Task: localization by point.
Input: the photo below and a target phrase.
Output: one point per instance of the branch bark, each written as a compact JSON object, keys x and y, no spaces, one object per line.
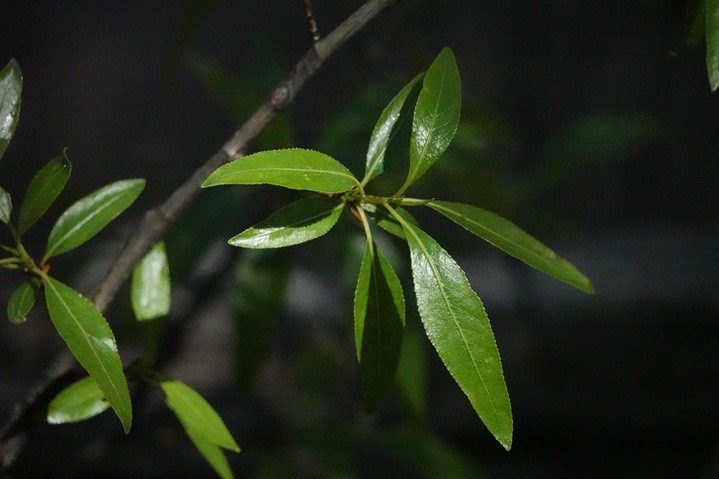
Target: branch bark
{"x":157,"y":220}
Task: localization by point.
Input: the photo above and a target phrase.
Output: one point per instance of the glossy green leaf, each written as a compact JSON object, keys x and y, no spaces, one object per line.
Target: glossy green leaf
{"x":506,"y":236}
{"x":91,"y":341}
{"x":150,"y":291}
{"x":436,"y":115}
{"x":212,"y":453}
{"x":195,"y":413}
{"x":293,"y":168}
{"x":5,"y":206}
{"x":712,"y":34}
{"x":79,"y":401}
{"x":10,"y":92}
{"x":88,"y":216}
{"x":21,"y":302}
{"x":44,"y":188}
{"x":301,"y":221}
{"x":458,"y":328}
{"x":384,"y":130}
{"x":379,"y":324}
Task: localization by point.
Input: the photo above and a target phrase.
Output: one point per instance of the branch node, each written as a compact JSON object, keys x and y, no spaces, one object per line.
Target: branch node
{"x":280,"y":97}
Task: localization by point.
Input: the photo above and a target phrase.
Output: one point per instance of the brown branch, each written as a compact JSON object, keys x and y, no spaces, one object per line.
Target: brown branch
{"x":156,"y":221}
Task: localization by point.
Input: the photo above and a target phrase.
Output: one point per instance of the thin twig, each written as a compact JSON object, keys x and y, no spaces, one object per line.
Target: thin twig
{"x":311,"y":21}
{"x":156,"y":221}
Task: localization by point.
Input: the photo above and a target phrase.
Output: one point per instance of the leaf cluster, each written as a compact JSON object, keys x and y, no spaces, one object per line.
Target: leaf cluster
{"x":453,"y":316}
{"x":78,"y":322}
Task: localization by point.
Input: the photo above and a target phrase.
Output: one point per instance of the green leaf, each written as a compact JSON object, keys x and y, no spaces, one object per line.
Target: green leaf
{"x":506,"y":236}
{"x":195,"y":413}
{"x":150,"y":292}
{"x":44,"y":188}
{"x":21,"y":302}
{"x":10,"y":91}
{"x":79,"y":401}
{"x":293,"y":168}
{"x":91,"y":341}
{"x":712,"y":26}
{"x":459,"y":329}
{"x":384,"y":130}
{"x":436,"y":115}
{"x":212,"y":453}
{"x":90,"y":215}
{"x":301,"y":221}
{"x":412,"y":376}
{"x":379,"y":323}
{"x":5,"y":206}
{"x":695,"y":23}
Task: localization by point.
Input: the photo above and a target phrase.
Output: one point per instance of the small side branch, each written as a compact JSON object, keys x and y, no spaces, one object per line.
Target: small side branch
{"x":311,"y":21}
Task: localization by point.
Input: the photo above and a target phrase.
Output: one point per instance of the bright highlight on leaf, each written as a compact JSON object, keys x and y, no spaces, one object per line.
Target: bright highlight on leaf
{"x":712,"y":34}
{"x":89,"y":215}
{"x":459,"y":329}
{"x":294,"y":168}
{"x":10,"y":92}
{"x":91,"y":341}
{"x":384,"y":130}
{"x":301,"y":221}
{"x":379,"y":324}
{"x":512,"y":240}
{"x":202,"y":424}
{"x":79,"y":401}
{"x":21,"y":302}
{"x":5,"y":206}
{"x":150,"y":291}
{"x":44,"y":188}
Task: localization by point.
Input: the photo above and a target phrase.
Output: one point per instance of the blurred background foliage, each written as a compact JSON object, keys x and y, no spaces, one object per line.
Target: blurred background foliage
{"x":584,"y":122}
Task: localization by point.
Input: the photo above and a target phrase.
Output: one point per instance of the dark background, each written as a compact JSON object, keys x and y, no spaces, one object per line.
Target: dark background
{"x":583,"y":122}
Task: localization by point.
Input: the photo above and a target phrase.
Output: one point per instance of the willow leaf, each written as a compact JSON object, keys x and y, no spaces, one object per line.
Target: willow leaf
{"x":384,"y":130}
{"x":44,"y":188}
{"x":508,"y":237}
{"x":458,"y":328}
{"x":21,"y":302}
{"x":712,"y":35}
{"x":379,"y":315}
{"x":150,"y":291}
{"x":10,"y":91}
{"x":5,"y":206}
{"x":79,"y":401}
{"x":294,"y":168}
{"x":89,"y":215}
{"x":301,"y":221}
{"x":436,"y":115}
{"x":91,"y":341}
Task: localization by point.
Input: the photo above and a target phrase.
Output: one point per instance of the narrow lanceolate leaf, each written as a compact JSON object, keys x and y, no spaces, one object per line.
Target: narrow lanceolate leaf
{"x":5,"y":206}
{"x":10,"y":91}
{"x":213,"y":454}
{"x":508,"y":237}
{"x":21,"y":302}
{"x":293,"y":168}
{"x":89,"y":337}
{"x":379,"y":323}
{"x":44,"y":188}
{"x":436,"y":115}
{"x":301,"y":221}
{"x":712,"y":19}
{"x":459,"y":329}
{"x":384,"y":130}
{"x":150,"y":292}
{"x":90,"y":215}
{"x":79,"y":401}
{"x":195,"y":413}
{"x":386,"y":221}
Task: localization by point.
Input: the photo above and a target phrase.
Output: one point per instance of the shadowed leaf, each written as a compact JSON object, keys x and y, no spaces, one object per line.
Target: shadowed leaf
{"x":44,"y":188}
{"x":21,"y":302}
